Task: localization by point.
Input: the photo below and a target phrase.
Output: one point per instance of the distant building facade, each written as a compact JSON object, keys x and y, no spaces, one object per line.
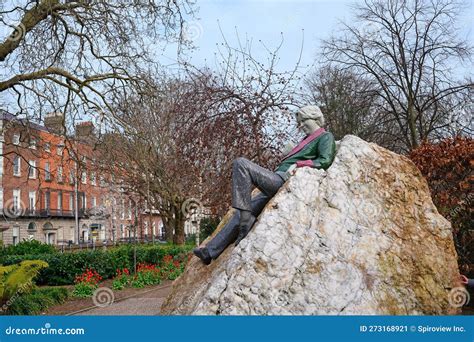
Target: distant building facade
{"x":53,"y":188}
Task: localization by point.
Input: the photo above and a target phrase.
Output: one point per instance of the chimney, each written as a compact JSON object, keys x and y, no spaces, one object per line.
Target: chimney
{"x":85,"y":130}
{"x":54,"y":122}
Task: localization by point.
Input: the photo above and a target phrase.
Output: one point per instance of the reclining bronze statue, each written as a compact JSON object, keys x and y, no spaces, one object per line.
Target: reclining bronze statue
{"x":316,"y":150}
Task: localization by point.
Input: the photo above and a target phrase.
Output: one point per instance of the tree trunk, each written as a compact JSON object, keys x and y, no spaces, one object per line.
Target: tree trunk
{"x":412,"y":125}
{"x":168,"y":225}
{"x":179,"y":237}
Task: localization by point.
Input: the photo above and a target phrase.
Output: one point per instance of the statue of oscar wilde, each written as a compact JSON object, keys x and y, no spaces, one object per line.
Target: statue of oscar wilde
{"x":316,"y":150}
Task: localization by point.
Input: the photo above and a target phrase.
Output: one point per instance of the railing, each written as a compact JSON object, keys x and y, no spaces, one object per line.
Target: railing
{"x":41,"y":213}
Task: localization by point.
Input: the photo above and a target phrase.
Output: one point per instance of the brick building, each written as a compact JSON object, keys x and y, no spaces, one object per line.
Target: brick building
{"x":53,"y":188}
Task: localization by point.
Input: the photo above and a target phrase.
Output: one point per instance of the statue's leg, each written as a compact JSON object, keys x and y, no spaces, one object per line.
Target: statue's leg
{"x":229,"y":232}
{"x":245,"y":175}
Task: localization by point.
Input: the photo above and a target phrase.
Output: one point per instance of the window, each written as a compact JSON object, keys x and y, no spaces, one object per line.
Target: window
{"x":16,"y":200}
{"x":32,"y":169}
{"x":94,"y":202}
{"x":1,"y":198}
{"x":47,"y":200}
{"x":59,"y":150}
{"x":101,"y":180}
{"x":71,"y":201}
{"x":146,"y":227}
{"x":71,"y":177}
{"x":114,"y":208}
{"x":59,"y":174}
{"x":17,"y":166}
{"x":32,"y":201}
{"x":60,"y":201}
{"x":129,"y":209}
{"x":16,"y":235}
{"x":84,"y":201}
{"x":47,"y":147}
{"x":33,"y":144}
{"x":47,"y":171}
{"x":16,"y":139}
{"x":84,"y":177}
{"x":1,"y":155}
{"x":123,"y":209}
{"x":93,"y":178}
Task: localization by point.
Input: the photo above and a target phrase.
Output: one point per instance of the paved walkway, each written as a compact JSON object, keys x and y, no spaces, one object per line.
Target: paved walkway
{"x":145,"y":303}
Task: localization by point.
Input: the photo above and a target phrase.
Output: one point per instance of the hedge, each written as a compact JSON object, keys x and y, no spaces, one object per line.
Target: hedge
{"x":63,"y":267}
{"x":27,"y":247}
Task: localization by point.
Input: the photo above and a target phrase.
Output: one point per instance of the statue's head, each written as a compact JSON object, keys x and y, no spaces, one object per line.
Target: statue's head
{"x":309,"y":119}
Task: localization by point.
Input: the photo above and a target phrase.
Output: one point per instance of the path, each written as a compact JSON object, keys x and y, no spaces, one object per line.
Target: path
{"x":144,"y":303}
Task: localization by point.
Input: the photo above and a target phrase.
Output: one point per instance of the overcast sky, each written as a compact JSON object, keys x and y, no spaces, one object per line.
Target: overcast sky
{"x":265,"y":20}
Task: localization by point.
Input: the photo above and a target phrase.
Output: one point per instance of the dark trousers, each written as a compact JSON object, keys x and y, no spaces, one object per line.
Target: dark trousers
{"x":245,"y":175}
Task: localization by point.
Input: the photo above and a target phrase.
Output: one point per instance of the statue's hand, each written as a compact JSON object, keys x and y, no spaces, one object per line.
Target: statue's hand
{"x":292,"y":170}
{"x":287,"y":149}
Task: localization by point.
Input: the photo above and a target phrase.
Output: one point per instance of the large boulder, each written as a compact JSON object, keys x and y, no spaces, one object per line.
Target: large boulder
{"x":363,"y":237}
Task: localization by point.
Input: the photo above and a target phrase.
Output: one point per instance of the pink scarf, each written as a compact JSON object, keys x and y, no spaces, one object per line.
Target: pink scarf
{"x":305,"y":142}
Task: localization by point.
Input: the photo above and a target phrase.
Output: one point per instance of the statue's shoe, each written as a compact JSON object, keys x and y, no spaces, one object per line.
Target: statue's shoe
{"x":203,"y":254}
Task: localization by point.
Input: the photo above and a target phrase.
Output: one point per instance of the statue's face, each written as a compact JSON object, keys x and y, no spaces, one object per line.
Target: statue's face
{"x":308,"y":126}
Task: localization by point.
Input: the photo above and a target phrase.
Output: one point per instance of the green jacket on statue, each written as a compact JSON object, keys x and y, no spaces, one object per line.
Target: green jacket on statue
{"x":318,"y":151}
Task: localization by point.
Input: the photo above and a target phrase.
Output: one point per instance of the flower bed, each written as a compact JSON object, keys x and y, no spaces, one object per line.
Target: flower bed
{"x":86,"y":283}
{"x":64,"y":267}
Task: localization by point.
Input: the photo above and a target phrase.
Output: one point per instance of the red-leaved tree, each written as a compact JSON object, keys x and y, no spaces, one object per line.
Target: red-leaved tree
{"x":447,"y":166}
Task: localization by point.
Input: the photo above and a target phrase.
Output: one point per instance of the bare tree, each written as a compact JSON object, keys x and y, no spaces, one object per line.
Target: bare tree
{"x":350,"y":105}
{"x":187,"y":130}
{"x":74,"y":55}
{"x":410,"y":49}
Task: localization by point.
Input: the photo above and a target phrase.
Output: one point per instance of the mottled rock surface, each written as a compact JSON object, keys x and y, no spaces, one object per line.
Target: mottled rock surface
{"x":363,"y":237}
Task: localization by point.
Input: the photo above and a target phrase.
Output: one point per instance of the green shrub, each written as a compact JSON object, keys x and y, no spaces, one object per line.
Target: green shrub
{"x":28,"y":247}
{"x":37,"y":301}
{"x":64,"y":267}
{"x":83,"y":290}
{"x":18,"y":278}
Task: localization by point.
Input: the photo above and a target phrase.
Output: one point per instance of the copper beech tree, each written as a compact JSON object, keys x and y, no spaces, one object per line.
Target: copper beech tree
{"x":447,"y":166}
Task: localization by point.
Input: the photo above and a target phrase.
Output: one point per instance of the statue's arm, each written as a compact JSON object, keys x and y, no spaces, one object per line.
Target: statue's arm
{"x":326,"y":151}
